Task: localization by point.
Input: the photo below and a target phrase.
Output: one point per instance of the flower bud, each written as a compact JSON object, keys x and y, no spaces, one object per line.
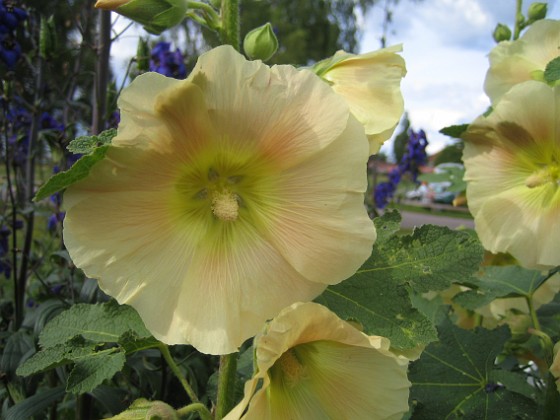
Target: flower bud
{"x":143,"y":55}
{"x":537,"y":11}
{"x":260,"y":43}
{"x":155,"y":15}
{"x":501,"y":33}
{"x":47,"y":38}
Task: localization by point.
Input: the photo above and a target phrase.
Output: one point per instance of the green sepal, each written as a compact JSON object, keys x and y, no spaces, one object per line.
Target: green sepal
{"x":454,"y":131}
{"x":552,"y":71}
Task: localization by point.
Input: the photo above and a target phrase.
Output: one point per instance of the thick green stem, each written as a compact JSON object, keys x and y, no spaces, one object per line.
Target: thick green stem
{"x":551,"y":399}
{"x":517,"y":26}
{"x":226,"y":385}
{"x":230,"y":23}
{"x":198,"y":407}
{"x":177,"y":372}
{"x":533,"y":313}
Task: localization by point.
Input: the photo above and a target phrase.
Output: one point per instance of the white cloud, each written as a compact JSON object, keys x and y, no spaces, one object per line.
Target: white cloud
{"x":446,"y":43}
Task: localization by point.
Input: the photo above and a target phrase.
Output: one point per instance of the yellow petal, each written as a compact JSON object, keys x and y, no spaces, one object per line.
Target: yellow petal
{"x":179,"y":219}
{"x":502,"y":154}
{"x":370,"y":83}
{"x":514,"y":62}
{"x":314,"y":365}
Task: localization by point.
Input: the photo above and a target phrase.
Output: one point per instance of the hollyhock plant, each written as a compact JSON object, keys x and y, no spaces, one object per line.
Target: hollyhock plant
{"x":512,"y":162}
{"x":524,"y":59}
{"x":223,"y":199}
{"x":370,"y":83}
{"x":313,"y":365}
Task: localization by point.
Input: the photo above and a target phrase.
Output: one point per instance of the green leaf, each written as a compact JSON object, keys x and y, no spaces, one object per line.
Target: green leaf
{"x":454,"y":131}
{"x":388,"y":225}
{"x":103,"y":323}
{"x":57,"y":355}
{"x":90,"y":372}
{"x":552,"y":71}
{"x":457,"y":378}
{"x":432,"y":258}
{"x":18,"y":346}
{"x":382,"y":308}
{"x":498,"y":282}
{"x":77,"y":172}
{"x":88,"y":144}
{"x":131,"y":342}
{"x":36,"y":404}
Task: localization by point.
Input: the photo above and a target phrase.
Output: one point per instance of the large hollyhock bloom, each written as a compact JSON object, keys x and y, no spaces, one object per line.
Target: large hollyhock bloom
{"x":512,"y":162}
{"x":224,"y":198}
{"x":370,"y":83}
{"x":310,"y":364}
{"x":513,"y":62}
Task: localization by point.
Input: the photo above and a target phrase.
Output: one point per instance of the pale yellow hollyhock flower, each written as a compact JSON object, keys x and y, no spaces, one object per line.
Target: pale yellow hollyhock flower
{"x":370,"y":83}
{"x":512,"y":162}
{"x":224,"y":198}
{"x":513,"y":62}
{"x":310,"y":365}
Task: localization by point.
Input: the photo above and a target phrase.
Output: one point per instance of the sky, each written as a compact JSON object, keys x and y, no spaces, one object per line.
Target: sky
{"x":445,"y":46}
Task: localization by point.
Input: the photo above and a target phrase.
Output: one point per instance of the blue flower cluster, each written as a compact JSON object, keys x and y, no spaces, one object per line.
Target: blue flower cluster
{"x":167,"y":62}
{"x":414,"y":156}
{"x":10,"y":18}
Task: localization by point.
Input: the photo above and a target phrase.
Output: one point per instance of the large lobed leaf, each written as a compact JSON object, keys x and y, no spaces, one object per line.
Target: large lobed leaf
{"x":95,"y":339}
{"x":378,"y":295}
{"x":457,"y":377}
{"x":104,"y":323}
{"x":499,"y":282}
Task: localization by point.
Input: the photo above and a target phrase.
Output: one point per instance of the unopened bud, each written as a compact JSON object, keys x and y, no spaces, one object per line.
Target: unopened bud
{"x":260,"y":43}
{"x":155,"y":15}
{"x":537,"y":11}
{"x":143,"y":56}
{"x":47,"y":38}
{"x":501,"y":33}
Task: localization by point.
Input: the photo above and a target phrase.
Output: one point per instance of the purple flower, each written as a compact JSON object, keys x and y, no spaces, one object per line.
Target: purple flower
{"x":383,"y":193}
{"x":10,"y":50}
{"x":11,"y":16}
{"x":55,"y":220}
{"x":167,"y":62}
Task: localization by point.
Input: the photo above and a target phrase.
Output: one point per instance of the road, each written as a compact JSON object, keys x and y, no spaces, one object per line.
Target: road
{"x":412,"y":219}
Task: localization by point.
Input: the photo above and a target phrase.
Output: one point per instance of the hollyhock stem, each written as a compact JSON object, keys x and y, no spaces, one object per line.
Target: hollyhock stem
{"x":230,"y":23}
{"x":199,"y":407}
{"x":175,"y":369}
{"x":517,"y":26}
{"x":226,"y":385}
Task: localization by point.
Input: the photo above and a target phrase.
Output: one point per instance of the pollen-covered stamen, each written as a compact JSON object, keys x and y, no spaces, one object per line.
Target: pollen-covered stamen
{"x":292,"y":368}
{"x":550,"y":173}
{"x":225,"y":205}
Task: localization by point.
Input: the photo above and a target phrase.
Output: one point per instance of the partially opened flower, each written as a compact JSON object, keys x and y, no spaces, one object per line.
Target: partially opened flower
{"x":224,"y":198}
{"x":370,"y":83}
{"x":310,"y":364}
{"x":513,"y":62}
{"x":512,"y":162}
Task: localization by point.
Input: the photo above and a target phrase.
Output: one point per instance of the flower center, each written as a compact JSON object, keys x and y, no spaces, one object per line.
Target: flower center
{"x":550,"y":173}
{"x":292,"y":368}
{"x":225,"y":206}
